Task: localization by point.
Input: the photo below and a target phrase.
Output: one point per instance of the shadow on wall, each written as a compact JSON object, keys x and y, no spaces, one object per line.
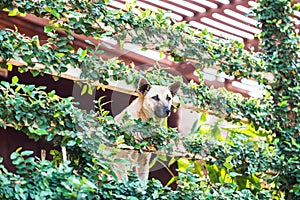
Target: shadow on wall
{"x":11,"y":140}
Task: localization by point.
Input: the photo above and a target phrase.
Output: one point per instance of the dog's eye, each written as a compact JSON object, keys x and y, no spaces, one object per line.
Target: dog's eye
{"x":156,"y":98}
{"x":168,"y":98}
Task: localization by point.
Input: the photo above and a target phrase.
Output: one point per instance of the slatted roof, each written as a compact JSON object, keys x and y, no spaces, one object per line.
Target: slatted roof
{"x":223,"y":18}
{"x":227,"y":19}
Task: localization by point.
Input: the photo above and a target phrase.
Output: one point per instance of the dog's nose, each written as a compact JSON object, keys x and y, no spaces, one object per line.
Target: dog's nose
{"x":168,"y":111}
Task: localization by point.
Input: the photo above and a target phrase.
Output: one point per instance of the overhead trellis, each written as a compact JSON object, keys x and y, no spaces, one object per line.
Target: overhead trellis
{"x":276,"y":114}
{"x":58,"y":53}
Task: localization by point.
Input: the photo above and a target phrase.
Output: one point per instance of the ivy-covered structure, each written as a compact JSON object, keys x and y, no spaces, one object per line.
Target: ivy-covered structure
{"x":258,"y":160}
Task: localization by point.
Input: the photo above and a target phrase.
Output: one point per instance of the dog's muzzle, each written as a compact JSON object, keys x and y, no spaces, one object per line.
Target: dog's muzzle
{"x":162,"y":111}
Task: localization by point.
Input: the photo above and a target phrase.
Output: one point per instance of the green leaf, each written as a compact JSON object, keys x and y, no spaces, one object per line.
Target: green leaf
{"x":162,"y":157}
{"x":121,"y":44}
{"x":198,"y":167}
{"x":102,"y":147}
{"x":234,"y":174}
{"x":27,"y":153}
{"x":55,"y":14}
{"x":153,"y":162}
{"x":228,"y":166}
{"x":14,"y":155}
{"x":13,"y":12}
{"x":38,"y":131}
{"x":48,"y":9}
{"x":79,"y":51}
{"x":82,"y":53}
{"x":203,"y":118}
{"x":131,"y":198}
{"x":89,"y":49}
{"x":84,"y":89}
{"x":34,"y":72}
{"x":17,"y":161}
{"x":61,"y":43}
{"x":9,"y":67}
{"x":255,"y":181}
{"x":59,"y":55}
{"x":15,"y":79}
{"x":56,"y":114}
{"x":183,"y":164}
{"x":172,"y":180}
{"x":172,"y":161}
{"x":90,"y":89}
{"x":94,"y":75}
{"x":71,"y":143}
{"x":99,"y":52}
{"x":120,"y":139}
{"x":228,"y":159}
{"x":214,"y":172}
{"x":89,"y":42}
{"x":55,"y":78}
{"x":161,"y":54}
{"x":48,"y":29}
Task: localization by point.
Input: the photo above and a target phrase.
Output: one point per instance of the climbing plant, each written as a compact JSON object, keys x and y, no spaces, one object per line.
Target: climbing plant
{"x":280,"y":45}
{"x":239,"y":167}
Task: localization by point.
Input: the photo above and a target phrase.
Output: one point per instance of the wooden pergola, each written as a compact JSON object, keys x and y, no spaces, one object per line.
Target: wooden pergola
{"x":224,"y":18}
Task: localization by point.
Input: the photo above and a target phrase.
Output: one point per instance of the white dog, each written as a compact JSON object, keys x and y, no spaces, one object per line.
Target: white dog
{"x":154,"y":102}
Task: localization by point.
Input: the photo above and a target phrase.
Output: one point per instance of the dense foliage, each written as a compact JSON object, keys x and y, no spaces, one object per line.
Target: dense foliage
{"x":280,"y":45}
{"x":258,"y":160}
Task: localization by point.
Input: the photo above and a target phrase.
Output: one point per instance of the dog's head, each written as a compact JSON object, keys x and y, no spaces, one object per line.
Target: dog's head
{"x":157,"y":99}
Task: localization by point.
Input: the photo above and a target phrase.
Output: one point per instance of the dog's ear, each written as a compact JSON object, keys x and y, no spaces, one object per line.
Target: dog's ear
{"x":144,"y":86}
{"x":174,"y":88}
